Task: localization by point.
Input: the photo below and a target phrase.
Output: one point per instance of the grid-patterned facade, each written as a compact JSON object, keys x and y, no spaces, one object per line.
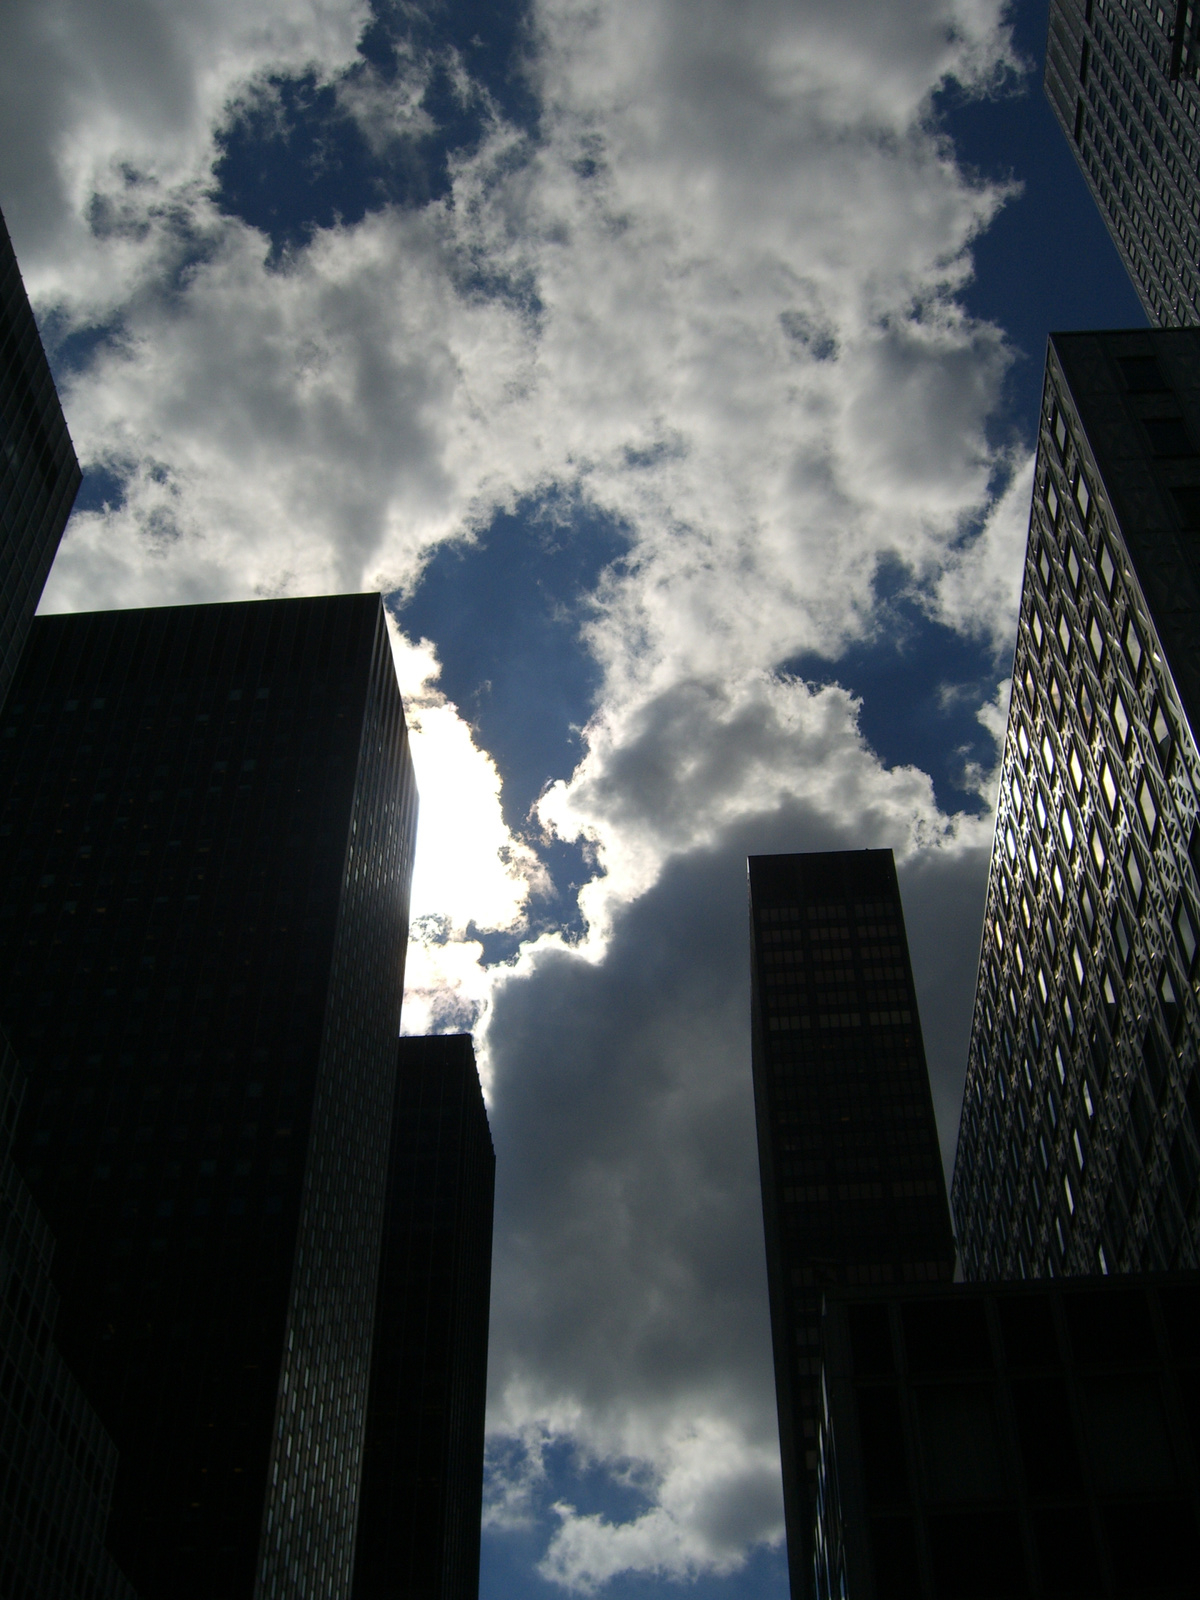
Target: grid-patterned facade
{"x":1121,"y":77}
{"x":39,"y":475}
{"x":422,"y":1487}
{"x":1012,"y":1440}
{"x":208,"y":817}
{"x":852,"y":1184}
{"x":56,"y":1461}
{"x":1079,"y":1146}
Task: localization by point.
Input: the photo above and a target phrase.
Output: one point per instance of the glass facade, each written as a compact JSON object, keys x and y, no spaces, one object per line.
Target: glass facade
{"x":1121,"y":77}
{"x":207,"y":815}
{"x":56,"y":1461}
{"x":422,"y":1486}
{"x":1079,"y":1145}
{"x":852,"y":1184}
{"x":1024,"y":1440}
{"x":39,"y":475}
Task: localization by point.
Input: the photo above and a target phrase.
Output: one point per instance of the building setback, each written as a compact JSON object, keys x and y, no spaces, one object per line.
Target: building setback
{"x":422,"y":1489}
{"x":56,"y":1461}
{"x":1121,"y":78}
{"x":1011,"y":1440}
{"x":852,"y":1184}
{"x":207,"y":815}
{"x":1079,"y":1145}
{"x":39,"y":475}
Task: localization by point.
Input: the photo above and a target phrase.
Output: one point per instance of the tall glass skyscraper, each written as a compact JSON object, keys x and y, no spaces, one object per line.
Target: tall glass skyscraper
{"x":422,"y":1489}
{"x":207,"y":815}
{"x":852,"y":1184}
{"x":39,"y":475}
{"x":1079,"y":1146}
{"x":1121,"y":77}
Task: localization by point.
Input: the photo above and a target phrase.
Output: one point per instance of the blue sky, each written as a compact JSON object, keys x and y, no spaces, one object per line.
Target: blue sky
{"x":674,"y":369}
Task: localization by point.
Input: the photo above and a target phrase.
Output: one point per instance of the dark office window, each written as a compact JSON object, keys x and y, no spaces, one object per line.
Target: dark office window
{"x":894,"y":1552}
{"x":1123,"y":1333}
{"x":960,"y":1442}
{"x":977,"y":1556}
{"x":1142,"y":375}
{"x":1027,"y":1329}
{"x":1066,"y":1553}
{"x":881,"y":1435}
{"x":1181,"y":1313}
{"x":1045,"y":1436}
{"x":871,"y":1341}
{"x":946,"y":1336}
{"x":1189,"y":1387}
{"x":1152,"y":1545}
{"x":1187,"y":504}
{"x":1168,"y":436}
{"x":1128,"y":1448}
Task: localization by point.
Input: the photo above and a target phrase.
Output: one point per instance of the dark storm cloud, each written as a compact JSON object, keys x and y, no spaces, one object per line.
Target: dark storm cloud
{"x":629,"y":1269}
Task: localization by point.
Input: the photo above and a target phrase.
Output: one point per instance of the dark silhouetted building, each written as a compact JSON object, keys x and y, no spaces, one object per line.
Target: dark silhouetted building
{"x":207,"y":817}
{"x":1121,"y":77}
{"x":422,"y":1488}
{"x":1012,"y":1440}
{"x":853,"y":1191}
{"x":39,"y":475}
{"x":1079,"y":1146}
{"x":56,"y":1461}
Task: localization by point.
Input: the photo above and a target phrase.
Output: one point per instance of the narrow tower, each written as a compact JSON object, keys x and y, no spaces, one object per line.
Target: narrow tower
{"x":422,"y":1491}
{"x":853,"y":1191}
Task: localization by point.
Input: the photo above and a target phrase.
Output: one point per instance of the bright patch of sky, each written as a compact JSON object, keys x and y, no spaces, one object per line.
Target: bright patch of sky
{"x":674,"y":369}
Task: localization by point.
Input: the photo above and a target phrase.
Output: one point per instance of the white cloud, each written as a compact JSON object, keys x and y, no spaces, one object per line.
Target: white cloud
{"x":324,"y":426}
{"x":107,"y":116}
{"x":979,"y":590}
{"x":717,"y":1496}
{"x":672,"y":772}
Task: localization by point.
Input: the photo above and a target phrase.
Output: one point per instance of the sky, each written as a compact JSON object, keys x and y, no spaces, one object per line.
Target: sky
{"x":673,"y":368}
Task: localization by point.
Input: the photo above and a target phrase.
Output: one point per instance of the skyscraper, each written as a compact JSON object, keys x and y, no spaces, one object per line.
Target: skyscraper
{"x":39,"y":475}
{"x":422,"y":1488}
{"x":207,"y":815}
{"x":1079,"y":1146}
{"x":1121,"y":77}
{"x":852,"y":1184}
{"x":56,"y":1461}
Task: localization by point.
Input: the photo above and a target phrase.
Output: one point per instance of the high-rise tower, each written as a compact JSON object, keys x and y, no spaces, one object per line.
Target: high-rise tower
{"x":853,"y":1191}
{"x":207,"y":815}
{"x":422,"y":1489}
{"x":39,"y":475}
{"x":1079,"y":1147}
{"x":1121,"y":77}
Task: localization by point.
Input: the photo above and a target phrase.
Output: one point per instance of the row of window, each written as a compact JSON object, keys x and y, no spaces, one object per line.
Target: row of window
{"x":1037,"y":922}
